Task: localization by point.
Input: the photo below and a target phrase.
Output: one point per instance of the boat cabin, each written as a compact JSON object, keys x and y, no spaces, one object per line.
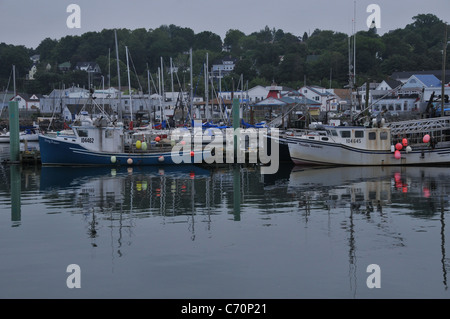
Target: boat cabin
{"x":367,"y":138}
{"x":98,"y":135}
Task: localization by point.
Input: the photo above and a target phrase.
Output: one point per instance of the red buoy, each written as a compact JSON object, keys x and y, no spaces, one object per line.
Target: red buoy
{"x":405,"y":142}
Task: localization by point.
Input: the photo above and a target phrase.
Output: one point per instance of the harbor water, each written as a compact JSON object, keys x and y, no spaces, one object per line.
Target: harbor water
{"x":224,"y":232}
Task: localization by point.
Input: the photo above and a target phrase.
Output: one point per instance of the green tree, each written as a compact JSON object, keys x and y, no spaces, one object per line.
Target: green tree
{"x":232,"y":40}
{"x":46,"y":49}
{"x":207,"y":40}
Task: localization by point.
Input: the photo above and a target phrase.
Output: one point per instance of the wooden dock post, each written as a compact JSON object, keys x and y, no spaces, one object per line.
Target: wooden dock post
{"x":14,"y":140}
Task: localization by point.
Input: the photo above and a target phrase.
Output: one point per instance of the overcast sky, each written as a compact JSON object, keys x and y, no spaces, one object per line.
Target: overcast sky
{"x":28,"y":22}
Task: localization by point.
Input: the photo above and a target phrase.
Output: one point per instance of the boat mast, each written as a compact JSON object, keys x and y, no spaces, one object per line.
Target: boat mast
{"x":206,"y":89}
{"x":192,"y":89}
{"x":129,"y":89}
{"x":118,"y":77}
{"x":352,"y":66}
{"x":444,"y":57}
{"x":163,"y":93}
{"x":171,"y":77}
{"x":149,"y":99}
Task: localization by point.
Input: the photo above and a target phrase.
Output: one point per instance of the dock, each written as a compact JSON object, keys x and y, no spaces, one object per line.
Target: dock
{"x":30,"y":157}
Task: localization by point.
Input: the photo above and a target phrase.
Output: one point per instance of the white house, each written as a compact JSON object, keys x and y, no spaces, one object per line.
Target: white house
{"x":32,"y":72}
{"x":327,"y":99}
{"x":35,"y":58}
{"x":388,"y":85}
{"x":223,"y":67}
{"x":417,"y":83}
{"x":399,"y":97}
{"x":88,"y":67}
{"x":27,"y":101}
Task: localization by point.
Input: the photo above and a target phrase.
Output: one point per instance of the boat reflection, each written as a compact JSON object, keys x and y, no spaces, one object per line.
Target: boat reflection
{"x":421,"y":188}
{"x":373,"y":194}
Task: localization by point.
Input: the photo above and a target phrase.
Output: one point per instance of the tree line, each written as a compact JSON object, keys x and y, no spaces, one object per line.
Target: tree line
{"x":269,"y":55}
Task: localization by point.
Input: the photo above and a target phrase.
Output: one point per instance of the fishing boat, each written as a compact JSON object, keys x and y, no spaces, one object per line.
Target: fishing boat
{"x":415,"y":142}
{"x":30,"y":134}
{"x":97,"y":138}
{"x":98,"y":142}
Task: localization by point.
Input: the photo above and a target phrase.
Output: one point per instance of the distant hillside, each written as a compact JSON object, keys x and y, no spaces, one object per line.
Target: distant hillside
{"x":263,"y":57}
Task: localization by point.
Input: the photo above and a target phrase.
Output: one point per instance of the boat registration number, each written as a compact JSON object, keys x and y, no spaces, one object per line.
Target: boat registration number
{"x":353,"y":140}
{"x":87,"y":140}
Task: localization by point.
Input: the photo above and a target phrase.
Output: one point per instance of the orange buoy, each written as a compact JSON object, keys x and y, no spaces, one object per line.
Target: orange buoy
{"x":157,"y":139}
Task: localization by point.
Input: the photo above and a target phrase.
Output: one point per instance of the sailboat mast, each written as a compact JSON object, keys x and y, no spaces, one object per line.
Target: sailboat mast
{"x":354,"y":45}
{"x":148,"y":83}
{"x":444,"y":57}
{"x":109,"y":68}
{"x":118,"y":76}
{"x":163,"y":93}
{"x":129,"y":87}
{"x":171,"y":76}
{"x":207,"y":88}
{"x":192,"y":89}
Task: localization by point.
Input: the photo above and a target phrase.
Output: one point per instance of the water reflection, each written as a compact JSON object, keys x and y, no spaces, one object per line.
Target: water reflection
{"x":363,"y":209}
{"x":368,"y":192}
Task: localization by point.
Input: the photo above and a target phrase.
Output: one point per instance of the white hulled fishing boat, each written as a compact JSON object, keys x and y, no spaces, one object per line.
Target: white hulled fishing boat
{"x":415,"y":142}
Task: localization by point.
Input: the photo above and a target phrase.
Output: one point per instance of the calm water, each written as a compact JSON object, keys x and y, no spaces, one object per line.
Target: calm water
{"x":192,"y":232}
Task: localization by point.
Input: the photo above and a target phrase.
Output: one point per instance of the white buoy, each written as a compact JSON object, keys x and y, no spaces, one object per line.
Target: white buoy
{"x":392,"y":148}
{"x":161,"y":158}
{"x":408,"y":149}
{"x":130,"y":161}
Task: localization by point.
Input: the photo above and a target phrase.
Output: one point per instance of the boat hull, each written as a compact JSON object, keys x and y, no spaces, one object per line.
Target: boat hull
{"x":56,"y":151}
{"x":312,"y":152}
{"x":282,"y":147}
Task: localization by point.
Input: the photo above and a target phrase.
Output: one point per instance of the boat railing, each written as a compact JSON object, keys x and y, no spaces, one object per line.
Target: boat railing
{"x":414,"y":130}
